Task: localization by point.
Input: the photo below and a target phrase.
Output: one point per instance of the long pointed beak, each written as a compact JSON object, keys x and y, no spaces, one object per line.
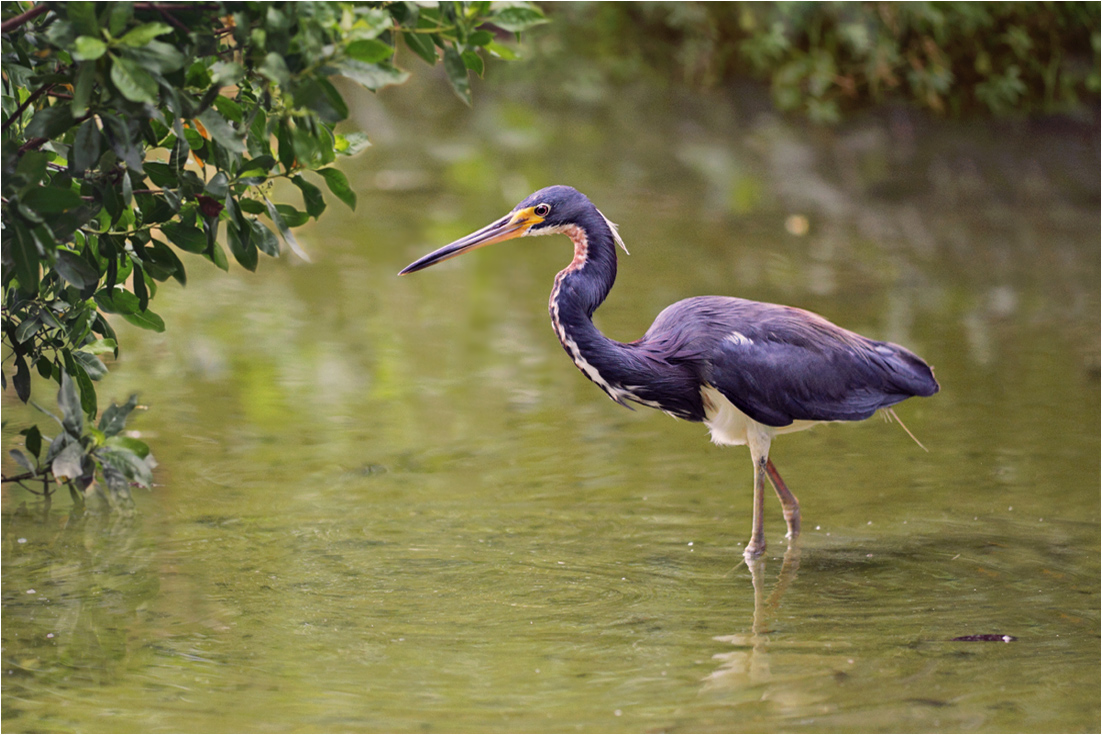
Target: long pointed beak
{"x":514,"y":224}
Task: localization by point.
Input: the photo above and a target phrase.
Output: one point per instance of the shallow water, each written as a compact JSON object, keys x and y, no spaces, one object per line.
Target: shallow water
{"x":393,"y":504}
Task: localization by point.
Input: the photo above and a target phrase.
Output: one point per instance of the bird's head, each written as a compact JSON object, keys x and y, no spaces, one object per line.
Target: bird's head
{"x":547,"y":211}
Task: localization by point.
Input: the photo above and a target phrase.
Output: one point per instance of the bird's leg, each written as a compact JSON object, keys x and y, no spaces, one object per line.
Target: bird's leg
{"x":788,"y":501}
{"x":756,"y":547}
{"x":758,"y":440}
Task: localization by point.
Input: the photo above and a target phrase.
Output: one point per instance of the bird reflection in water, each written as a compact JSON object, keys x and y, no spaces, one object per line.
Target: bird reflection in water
{"x":747,"y":666}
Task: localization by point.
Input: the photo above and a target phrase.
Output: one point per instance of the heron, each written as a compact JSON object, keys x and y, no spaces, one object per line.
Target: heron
{"x":748,"y":370}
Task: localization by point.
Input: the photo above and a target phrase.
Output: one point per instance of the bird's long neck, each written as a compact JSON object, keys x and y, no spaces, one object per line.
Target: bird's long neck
{"x":579,"y":289}
{"x":626,"y":372}
{"x":583,"y":285}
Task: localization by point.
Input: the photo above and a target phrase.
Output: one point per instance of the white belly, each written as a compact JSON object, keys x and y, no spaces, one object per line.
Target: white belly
{"x":730,"y":426}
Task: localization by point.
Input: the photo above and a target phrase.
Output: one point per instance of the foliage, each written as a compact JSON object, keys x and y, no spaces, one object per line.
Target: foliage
{"x":137,"y":131}
{"x":822,"y":58}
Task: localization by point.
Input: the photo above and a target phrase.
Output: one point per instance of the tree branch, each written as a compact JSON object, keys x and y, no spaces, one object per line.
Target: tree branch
{"x":33,"y":144}
{"x":13,"y":23}
{"x":172,"y":21}
{"x":30,"y":100}
{"x":25,"y":476}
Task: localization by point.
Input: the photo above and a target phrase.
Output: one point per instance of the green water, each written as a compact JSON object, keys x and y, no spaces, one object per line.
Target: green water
{"x":393,"y":504}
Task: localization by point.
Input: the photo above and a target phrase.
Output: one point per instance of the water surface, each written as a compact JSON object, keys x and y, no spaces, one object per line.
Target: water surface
{"x":393,"y":504}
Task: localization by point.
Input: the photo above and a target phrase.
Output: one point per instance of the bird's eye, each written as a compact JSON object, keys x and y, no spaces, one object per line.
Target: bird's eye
{"x":542,"y":209}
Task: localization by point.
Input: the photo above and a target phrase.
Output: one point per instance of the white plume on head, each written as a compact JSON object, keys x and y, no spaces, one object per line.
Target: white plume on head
{"x":615,"y":231}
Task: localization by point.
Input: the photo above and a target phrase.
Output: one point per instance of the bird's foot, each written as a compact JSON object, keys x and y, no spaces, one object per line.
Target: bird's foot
{"x":793,"y":521}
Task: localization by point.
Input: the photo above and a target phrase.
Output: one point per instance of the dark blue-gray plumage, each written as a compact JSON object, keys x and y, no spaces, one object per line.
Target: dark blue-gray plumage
{"x":748,"y":370}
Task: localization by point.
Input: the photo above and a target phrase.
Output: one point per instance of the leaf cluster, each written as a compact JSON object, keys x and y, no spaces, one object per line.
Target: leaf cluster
{"x":139,"y":134}
{"x":822,"y":59}
{"x":81,"y":451}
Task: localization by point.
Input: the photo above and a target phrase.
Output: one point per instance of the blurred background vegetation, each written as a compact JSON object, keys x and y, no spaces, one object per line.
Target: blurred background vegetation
{"x":824,"y":59}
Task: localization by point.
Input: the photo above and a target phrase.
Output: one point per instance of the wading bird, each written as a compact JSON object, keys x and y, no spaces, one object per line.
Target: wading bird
{"x":749,"y":371}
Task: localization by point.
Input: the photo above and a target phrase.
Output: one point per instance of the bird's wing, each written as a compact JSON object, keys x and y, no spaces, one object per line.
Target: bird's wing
{"x":786,"y":365}
{"x":778,"y":364}
{"x":776,"y":383}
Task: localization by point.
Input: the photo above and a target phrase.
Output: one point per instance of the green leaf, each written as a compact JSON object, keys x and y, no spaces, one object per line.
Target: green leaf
{"x":225,"y":73}
{"x":22,"y":460}
{"x":22,"y":379}
{"x":284,"y":230}
{"x":264,"y":238}
{"x":501,"y":52}
{"x":313,"y":148}
{"x":127,"y":191}
{"x":114,"y":417}
{"x":218,"y":256}
{"x":218,"y":186}
{"x":136,"y":446}
{"x":101,"y":347}
{"x":49,"y":319}
{"x":141,"y":290}
{"x":82,"y":91}
{"x":88,"y":48}
{"x":291,"y":216}
{"x":243,"y":248}
{"x":32,"y":166}
{"x":82,"y":15}
{"x":167,"y":260}
{"x":118,"y":17}
{"x":134,"y":82}
{"x":68,"y":463}
{"x":50,"y":122}
{"x":369,"y":51}
{"x":338,"y":184}
{"x":480,"y":38}
{"x":51,"y":199}
{"x":161,"y":174}
{"x":311,"y":196}
{"x":516,"y":19}
{"x":222,"y":131}
{"x":87,"y":146}
{"x":92,"y":365}
{"x":275,"y":69}
{"x":68,"y":401}
{"x":421,"y":45}
{"x":185,"y":237}
{"x":351,"y":143}
{"x":143,"y":34}
{"x":46,"y":370}
{"x":133,"y":467}
{"x":76,"y":270}
{"x":372,"y":76}
{"x":230,"y":109}
{"x":474,"y":62}
{"x":116,"y":301}
{"x":156,"y":56}
{"x":457,"y":74}
{"x":319,"y":95}
{"x":27,"y":329}
{"x":32,"y":440}
{"x":87,"y":390}
{"x":286,"y":140}
{"x":146,"y":320}
{"x":371,"y":22}
{"x":121,"y":141}
{"x":251,"y":206}
{"x":25,"y":251}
